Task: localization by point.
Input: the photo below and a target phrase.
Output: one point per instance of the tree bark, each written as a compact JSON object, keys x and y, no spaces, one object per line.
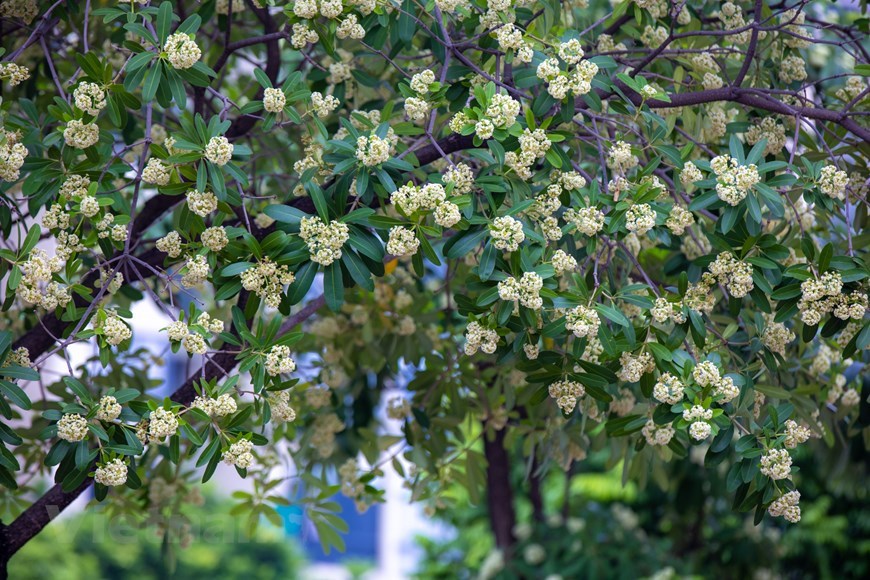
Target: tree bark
{"x":500,"y":495}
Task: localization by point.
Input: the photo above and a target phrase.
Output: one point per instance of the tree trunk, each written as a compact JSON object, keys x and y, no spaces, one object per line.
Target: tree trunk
{"x":500,"y":496}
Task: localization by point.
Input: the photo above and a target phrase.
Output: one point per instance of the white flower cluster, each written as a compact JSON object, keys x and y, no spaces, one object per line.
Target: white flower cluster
{"x":776,"y":464}
{"x":690,"y":174}
{"x":113,"y":329}
{"x":196,"y":271}
{"x":795,"y":434}
{"x":279,"y":362}
{"x":201,"y":203}
{"x":632,"y":367}
{"x":170,"y":244}
{"x":156,"y":172}
{"x":769,"y":129}
{"x":323,"y":105}
{"x":417,"y":109}
{"x":478,"y":337}
{"x":507,"y":233}
{"x":533,"y":146}
{"x":421,"y":81}
{"x":109,"y":409}
{"x":640,"y":218}
{"x":112,"y":474}
{"x":657,"y":434}
{"x":620,"y":157}
{"x":12,"y":154}
{"x":181,"y":51}
{"x":563,"y":262}
{"x":587,"y":220}
{"x":14,"y":73}
{"x":162,"y":424}
{"x":303,"y":35}
{"x":274,"y":100}
{"x":462,"y":178}
{"x":577,"y":81}
{"x":532,"y":351}
{"x":511,"y":38}
{"x":678,"y":220}
{"x":324,"y":429}
{"x":373,"y":150}
{"x":72,"y":427}
{"x":81,"y":135}
{"x":267,"y":280}
{"x":526,"y":290}
{"x":324,"y":239}
{"x":668,"y":389}
{"x":19,"y":356}
{"x":662,"y":311}
{"x":776,"y":336}
{"x":402,"y":242}
{"x":733,"y":181}
{"x":833,"y":182}
{"x":822,"y":295}
{"x":36,"y":285}
{"x":350,"y":28}
{"x":219,"y":407}
{"x":239,"y":454}
{"x":219,"y":150}
{"x":90,"y":98}
{"x":214,"y":238}
{"x":792,"y":68}
{"x":698,"y":417}
{"x":787,"y":506}
{"x":582,"y":321}
{"x":500,"y":114}
{"x":653,"y":37}
{"x":279,"y":403}
{"x":734,"y":274}
{"x":566,"y":394}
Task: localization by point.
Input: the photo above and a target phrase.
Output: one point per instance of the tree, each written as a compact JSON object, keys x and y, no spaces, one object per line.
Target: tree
{"x":540,"y":228}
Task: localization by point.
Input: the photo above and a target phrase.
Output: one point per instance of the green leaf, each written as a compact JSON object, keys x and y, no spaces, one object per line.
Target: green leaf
{"x":333,"y":287}
{"x":15,"y":394}
{"x":164,"y":21}
{"x":357,"y":269}
{"x":613,"y":314}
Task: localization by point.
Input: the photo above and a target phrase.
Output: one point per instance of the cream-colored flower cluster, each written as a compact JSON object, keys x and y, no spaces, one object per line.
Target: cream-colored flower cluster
{"x":72,"y":427}
{"x":795,"y":434}
{"x":402,"y":241}
{"x":156,"y":172}
{"x":510,"y":39}
{"x":768,"y":128}
{"x":668,"y":389}
{"x":792,"y":68}
{"x":219,"y":150}
{"x":698,"y":417}
{"x":15,"y":74}
{"x":733,"y":180}
{"x":587,"y":220}
{"x":196,"y":271}
{"x":640,"y":218}
{"x":583,"y":321}
{"x":833,"y":182}
{"x":678,"y":220}
{"x":653,"y":36}
{"x":787,"y":507}
{"x":274,"y":100}
{"x":36,"y":285}
{"x":478,"y":337}
{"x":90,"y":98}
{"x":526,"y":290}
{"x":632,"y":367}
{"x":664,"y":310}
{"x":181,"y":51}
{"x":776,"y":464}
{"x":577,"y":81}
{"x":170,"y":244}
{"x":461,"y":177}
{"x":216,"y":407}
{"x":214,"y":238}
{"x":566,"y":393}
{"x":279,"y":403}
{"x":201,"y":203}
{"x":563,"y":262}
{"x":114,"y":330}
{"x":734,"y":274}
{"x":239,"y":454}
{"x":659,"y":435}
{"x":323,"y":105}
{"x":81,"y":135}
{"x":12,"y":155}
{"x":776,"y":336}
{"x":373,"y":150}
{"x":267,"y":280}
{"x":162,"y":423}
{"x":620,"y":158}
{"x":111,"y":474}
{"x":324,"y":429}
{"x":507,"y":233}
{"x":279,"y":361}
{"x":324,"y":239}
{"x":822,"y":295}
{"x":109,"y":409}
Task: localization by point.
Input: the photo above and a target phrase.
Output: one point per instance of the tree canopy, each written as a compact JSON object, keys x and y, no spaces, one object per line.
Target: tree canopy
{"x":439,"y":237}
